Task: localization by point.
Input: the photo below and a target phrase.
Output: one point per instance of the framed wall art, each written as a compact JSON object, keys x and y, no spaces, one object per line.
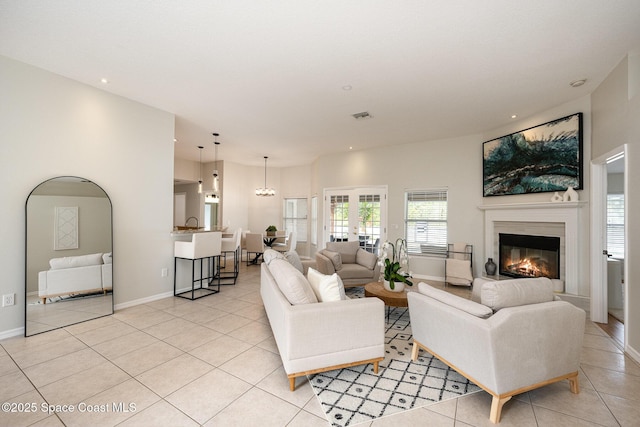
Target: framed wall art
{"x":544,"y":158}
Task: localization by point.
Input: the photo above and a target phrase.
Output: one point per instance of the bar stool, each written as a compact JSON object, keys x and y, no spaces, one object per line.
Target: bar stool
{"x":203,"y":246}
{"x":231,"y":245}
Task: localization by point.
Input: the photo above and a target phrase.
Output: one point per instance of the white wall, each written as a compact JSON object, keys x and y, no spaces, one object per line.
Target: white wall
{"x":616,"y":108}
{"x":54,"y":126}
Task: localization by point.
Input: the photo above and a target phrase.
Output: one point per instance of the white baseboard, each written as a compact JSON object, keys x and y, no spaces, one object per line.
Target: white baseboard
{"x":422,"y":277}
{"x":142,"y":300}
{"x":633,"y":353}
{"x":12,"y":333}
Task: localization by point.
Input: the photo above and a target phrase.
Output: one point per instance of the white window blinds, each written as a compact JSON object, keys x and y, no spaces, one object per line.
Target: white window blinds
{"x":426,"y":222}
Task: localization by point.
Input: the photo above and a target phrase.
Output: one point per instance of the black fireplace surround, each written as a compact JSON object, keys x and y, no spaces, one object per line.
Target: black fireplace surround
{"x":523,"y":255}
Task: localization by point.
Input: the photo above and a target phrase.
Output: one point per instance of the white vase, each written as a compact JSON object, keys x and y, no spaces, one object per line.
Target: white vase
{"x":570,"y":195}
{"x":397,"y":286}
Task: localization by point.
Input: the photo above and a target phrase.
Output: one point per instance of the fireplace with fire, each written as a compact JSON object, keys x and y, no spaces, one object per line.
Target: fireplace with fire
{"x":529,"y":256}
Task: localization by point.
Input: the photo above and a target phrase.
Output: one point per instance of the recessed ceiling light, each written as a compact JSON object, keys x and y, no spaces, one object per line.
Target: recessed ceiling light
{"x":350,"y":148}
{"x":577,"y":83}
{"x":104,"y":80}
{"x":175,"y":139}
{"x":347,"y":87}
{"x":513,"y":116}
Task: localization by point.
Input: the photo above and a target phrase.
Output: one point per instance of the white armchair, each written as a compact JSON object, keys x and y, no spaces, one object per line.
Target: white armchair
{"x":531,"y":340}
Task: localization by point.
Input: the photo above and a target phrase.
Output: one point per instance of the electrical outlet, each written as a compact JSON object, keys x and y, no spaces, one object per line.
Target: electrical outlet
{"x":8,"y":299}
{"x":163,"y":272}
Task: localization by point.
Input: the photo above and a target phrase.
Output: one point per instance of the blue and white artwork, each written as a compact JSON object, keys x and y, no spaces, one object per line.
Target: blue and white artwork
{"x":540,"y":159}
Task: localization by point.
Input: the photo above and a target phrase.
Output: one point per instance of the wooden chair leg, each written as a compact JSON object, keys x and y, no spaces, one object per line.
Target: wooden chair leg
{"x":496,"y":408}
{"x":375,"y":367}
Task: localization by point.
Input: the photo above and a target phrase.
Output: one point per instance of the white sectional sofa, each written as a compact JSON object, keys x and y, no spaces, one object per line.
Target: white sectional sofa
{"x":317,"y":336}
{"x":75,"y":275}
{"x":512,"y":337}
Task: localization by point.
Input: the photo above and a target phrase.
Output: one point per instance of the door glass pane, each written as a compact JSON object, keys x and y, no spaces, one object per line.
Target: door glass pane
{"x":339,"y":218}
{"x":369,"y":222}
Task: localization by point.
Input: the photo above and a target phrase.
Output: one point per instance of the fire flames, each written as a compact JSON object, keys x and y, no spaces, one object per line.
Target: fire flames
{"x":529,"y":267}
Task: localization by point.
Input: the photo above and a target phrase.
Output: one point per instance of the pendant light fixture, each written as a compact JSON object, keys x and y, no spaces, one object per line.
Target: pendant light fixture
{"x":265,"y":191}
{"x":200,"y":180}
{"x":216,"y":182}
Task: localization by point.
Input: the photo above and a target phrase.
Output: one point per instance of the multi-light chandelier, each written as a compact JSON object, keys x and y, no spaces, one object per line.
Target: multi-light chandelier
{"x":265,"y":191}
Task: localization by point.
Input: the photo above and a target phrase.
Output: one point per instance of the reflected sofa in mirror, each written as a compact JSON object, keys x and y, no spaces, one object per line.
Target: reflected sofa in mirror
{"x":69,"y":268}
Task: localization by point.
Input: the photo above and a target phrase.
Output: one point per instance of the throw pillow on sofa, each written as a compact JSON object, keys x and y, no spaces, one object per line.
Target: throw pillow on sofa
{"x":335,"y":257}
{"x":291,"y":282}
{"x":514,"y":292}
{"x":326,"y":287}
{"x":294,"y":259}
{"x":366,"y":259}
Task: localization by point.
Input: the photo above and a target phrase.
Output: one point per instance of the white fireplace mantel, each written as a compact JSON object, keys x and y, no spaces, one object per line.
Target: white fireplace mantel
{"x":567,"y":213}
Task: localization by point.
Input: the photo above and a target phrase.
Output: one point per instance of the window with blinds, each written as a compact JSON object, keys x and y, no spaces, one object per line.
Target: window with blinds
{"x":295,"y":218}
{"x":615,"y":225}
{"x":426,"y":222}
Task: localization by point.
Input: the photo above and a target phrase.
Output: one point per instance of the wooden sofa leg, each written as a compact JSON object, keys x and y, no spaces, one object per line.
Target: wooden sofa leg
{"x":574,"y":384}
{"x":496,"y":408}
{"x":414,"y":351}
{"x":292,"y":383}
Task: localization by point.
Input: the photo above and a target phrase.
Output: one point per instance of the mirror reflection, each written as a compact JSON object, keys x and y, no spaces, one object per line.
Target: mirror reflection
{"x":69,"y":268}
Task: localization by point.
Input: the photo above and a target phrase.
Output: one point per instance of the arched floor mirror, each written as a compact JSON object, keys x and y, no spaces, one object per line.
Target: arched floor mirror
{"x":69,"y":258}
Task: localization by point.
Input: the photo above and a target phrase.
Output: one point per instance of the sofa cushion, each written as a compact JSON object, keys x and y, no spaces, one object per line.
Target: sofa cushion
{"x":366,"y":259}
{"x":75,"y":261}
{"x":347,"y":250}
{"x":269,"y":255}
{"x":455,"y":301}
{"x":335,"y":257}
{"x":326,"y":287}
{"x":356,"y":271}
{"x":510,"y":293}
{"x":294,"y":259}
{"x":291,"y":282}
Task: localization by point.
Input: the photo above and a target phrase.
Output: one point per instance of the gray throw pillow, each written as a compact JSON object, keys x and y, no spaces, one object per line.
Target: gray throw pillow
{"x":366,"y":259}
{"x":335,"y":258}
{"x":294,"y":259}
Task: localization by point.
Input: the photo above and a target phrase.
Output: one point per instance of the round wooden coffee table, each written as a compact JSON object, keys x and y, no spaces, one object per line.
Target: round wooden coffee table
{"x":390,"y":299}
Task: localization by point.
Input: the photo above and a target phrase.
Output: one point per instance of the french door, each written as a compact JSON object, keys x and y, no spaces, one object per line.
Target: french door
{"x":356,"y":214}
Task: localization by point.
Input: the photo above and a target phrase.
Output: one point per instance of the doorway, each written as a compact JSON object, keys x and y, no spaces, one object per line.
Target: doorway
{"x":356,"y":214}
{"x":608,"y":249}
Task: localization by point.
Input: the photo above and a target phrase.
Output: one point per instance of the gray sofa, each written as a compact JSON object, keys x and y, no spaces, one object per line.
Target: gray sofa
{"x":516,"y":336}
{"x":316,"y":336}
{"x":354,"y":265}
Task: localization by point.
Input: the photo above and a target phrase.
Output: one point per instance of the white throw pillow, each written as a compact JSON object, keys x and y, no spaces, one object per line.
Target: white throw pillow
{"x":326,"y":287}
{"x":514,"y":292}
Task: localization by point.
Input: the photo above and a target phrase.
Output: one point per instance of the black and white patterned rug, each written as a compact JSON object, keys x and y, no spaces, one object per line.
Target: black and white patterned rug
{"x":354,"y":395}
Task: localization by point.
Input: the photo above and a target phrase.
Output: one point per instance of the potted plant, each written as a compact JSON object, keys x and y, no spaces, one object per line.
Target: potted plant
{"x":271,"y":230}
{"x":395,"y":266}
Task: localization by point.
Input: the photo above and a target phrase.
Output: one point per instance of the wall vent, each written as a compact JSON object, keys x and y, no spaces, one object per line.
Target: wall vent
{"x":361,"y":116}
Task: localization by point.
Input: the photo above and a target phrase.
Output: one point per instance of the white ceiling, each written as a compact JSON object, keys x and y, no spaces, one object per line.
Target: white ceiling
{"x":269,"y":75}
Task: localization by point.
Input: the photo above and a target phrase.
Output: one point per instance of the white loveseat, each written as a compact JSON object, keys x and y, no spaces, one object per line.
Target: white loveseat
{"x":76,"y":275}
{"x":518,"y":337}
{"x":317,"y":336}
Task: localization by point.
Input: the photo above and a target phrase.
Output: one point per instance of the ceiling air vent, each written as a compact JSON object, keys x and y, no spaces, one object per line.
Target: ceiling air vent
{"x":362,"y":116}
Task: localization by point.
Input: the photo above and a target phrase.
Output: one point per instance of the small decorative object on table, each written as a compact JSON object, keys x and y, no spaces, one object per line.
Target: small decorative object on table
{"x":570,"y":195}
{"x":271,"y":230}
{"x":490,"y":267}
{"x":556,"y":197}
{"x":395,"y":270}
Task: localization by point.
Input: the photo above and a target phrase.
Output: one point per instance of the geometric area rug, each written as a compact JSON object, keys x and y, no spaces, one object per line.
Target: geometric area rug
{"x":355,"y":395}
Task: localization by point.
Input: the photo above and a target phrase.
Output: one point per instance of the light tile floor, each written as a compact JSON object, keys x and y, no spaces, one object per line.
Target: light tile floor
{"x":213,"y":361}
